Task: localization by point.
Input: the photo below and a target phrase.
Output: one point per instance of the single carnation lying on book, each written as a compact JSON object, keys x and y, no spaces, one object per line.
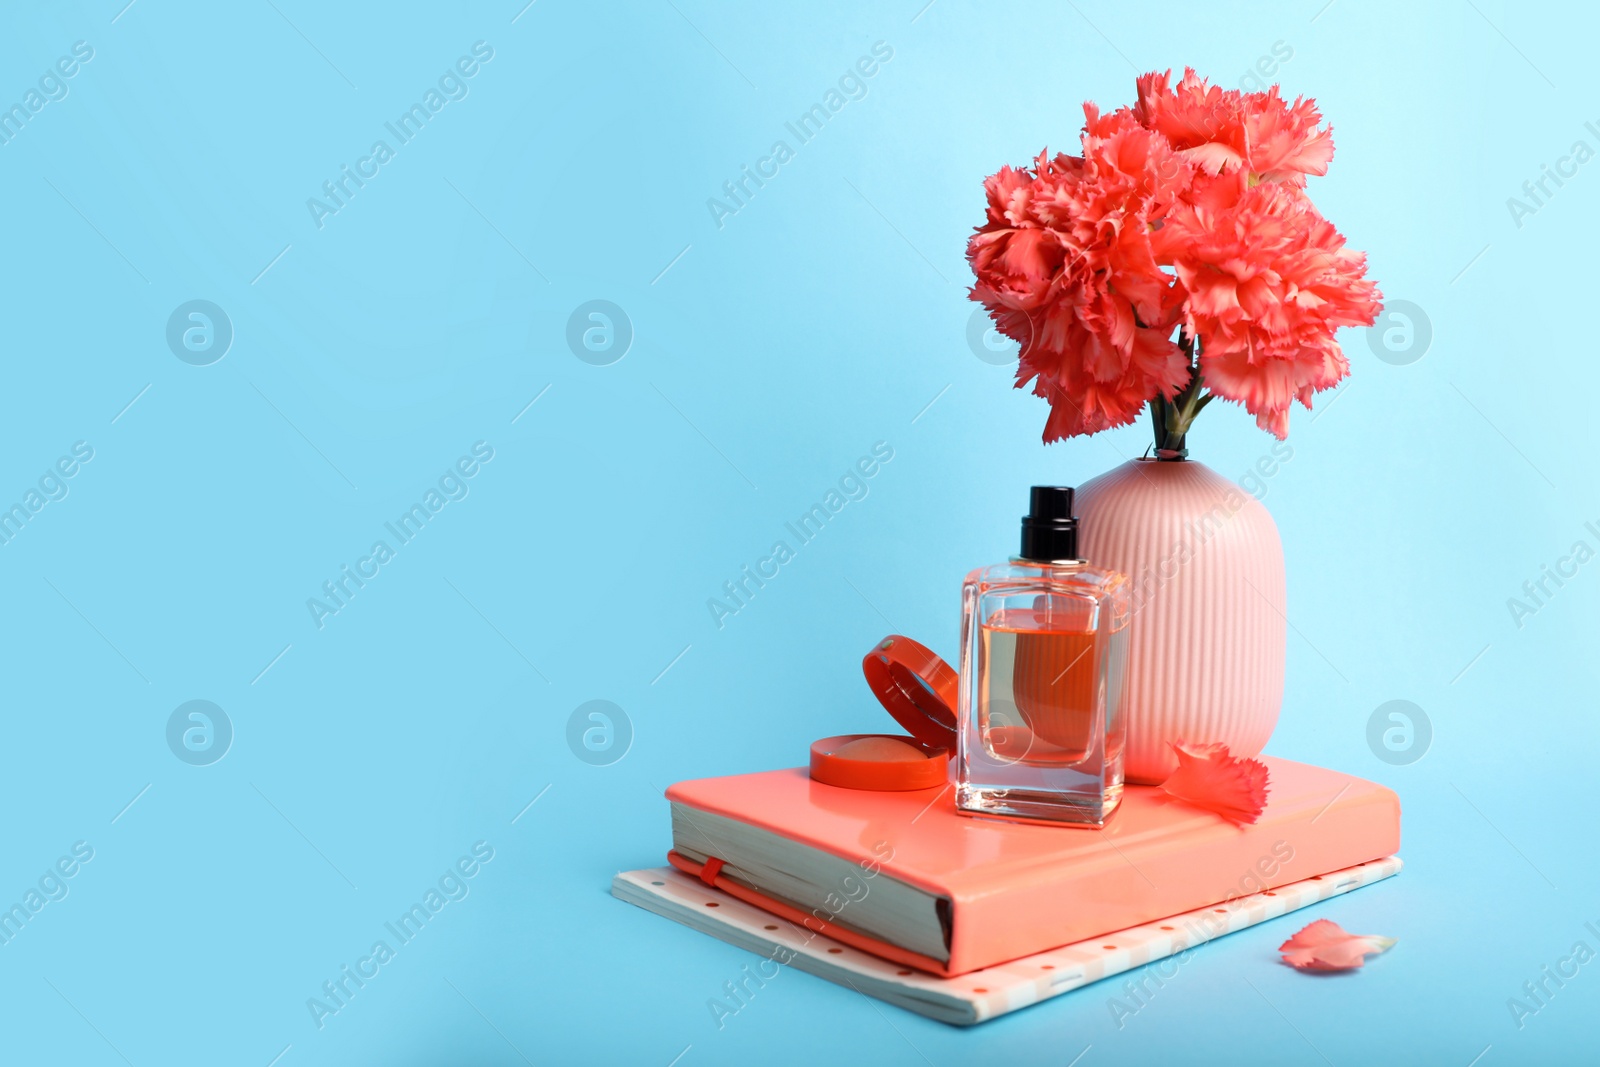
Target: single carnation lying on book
{"x":1213,"y":778}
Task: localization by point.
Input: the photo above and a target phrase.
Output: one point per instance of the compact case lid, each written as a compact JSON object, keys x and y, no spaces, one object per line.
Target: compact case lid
{"x":919,"y":689}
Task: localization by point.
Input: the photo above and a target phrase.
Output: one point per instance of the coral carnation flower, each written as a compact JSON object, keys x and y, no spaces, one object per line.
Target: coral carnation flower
{"x":1269,"y":281}
{"x":1186,"y":210}
{"x":1225,"y":129}
{"x":1065,"y":266}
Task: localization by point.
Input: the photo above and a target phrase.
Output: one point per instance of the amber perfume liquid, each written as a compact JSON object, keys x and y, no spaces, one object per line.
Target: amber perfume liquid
{"x":1036,"y":690}
{"x":1043,"y":668}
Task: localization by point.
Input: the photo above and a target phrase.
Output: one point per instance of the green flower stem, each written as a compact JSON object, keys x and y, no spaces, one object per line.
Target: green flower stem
{"x":1171,"y":419}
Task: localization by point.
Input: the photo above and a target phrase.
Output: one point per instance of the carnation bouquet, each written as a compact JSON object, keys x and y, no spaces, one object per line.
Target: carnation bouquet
{"x":1176,"y":260}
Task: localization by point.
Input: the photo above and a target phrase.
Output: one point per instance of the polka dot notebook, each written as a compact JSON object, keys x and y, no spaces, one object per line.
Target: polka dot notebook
{"x":977,"y":995}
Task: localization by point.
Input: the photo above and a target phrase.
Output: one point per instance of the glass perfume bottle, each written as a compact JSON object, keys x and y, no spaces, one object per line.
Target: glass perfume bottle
{"x":1043,"y":671}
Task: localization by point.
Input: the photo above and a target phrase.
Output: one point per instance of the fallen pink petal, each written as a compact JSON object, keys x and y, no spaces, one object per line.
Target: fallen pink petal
{"x":1325,"y":946}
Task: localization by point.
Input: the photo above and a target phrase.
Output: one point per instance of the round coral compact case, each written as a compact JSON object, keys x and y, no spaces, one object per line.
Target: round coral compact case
{"x":917,"y":688}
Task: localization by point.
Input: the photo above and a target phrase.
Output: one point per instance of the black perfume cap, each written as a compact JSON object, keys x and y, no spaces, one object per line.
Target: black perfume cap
{"x":1049,"y":530}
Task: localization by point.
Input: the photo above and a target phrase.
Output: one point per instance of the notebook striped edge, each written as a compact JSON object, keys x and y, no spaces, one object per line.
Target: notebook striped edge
{"x":978,"y":995}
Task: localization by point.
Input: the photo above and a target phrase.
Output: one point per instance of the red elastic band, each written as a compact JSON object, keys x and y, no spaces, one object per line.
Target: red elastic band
{"x":799,"y":918}
{"x":709,"y":872}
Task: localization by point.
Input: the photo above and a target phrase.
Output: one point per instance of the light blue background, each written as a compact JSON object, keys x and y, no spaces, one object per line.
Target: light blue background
{"x":769,"y":354}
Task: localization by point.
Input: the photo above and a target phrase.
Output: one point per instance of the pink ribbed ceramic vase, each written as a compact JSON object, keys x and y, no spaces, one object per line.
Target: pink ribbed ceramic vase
{"x":1206,"y":644}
